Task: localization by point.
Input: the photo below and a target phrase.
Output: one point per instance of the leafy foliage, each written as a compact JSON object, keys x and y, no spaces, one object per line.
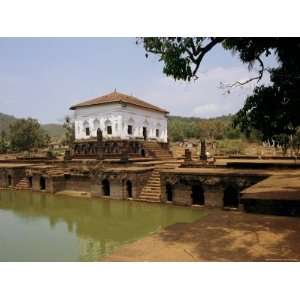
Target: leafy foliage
{"x":55,"y":131}
{"x":231,"y":146}
{"x":4,"y":145}
{"x":69,"y":128}
{"x":26,"y":134}
{"x":5,"y":121}
{"x":180,"y":128}
{"x":271,"y":110}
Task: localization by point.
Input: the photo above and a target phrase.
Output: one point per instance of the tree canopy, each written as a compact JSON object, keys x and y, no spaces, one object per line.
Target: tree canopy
{"x":69,"y":136}
{"x":25,"y":134}
{"x":181,"y":128}
{"x":272,"y":110}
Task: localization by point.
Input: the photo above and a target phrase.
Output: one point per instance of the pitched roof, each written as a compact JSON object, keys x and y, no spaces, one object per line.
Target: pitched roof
{"x":116,"y":97}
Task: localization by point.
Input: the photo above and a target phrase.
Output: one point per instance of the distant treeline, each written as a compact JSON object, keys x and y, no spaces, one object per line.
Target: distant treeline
{"x":180,"y":128}
{"x":55,"y":131}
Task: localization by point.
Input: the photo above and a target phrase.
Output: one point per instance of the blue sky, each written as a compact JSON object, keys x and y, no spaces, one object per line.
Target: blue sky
{"x":43,"y":77}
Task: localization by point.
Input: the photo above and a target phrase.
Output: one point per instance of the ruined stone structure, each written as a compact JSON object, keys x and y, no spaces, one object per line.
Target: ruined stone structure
{"x":164,"y":182}
{"x":215,"y":189}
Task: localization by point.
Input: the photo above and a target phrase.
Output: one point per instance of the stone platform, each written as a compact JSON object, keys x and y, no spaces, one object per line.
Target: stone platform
{"x":103,"y":149}
{"x":228,"y":183}
{"x":280,"y":186}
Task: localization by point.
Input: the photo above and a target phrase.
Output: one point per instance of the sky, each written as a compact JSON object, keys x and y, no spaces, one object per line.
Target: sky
{"x":43,"y":77}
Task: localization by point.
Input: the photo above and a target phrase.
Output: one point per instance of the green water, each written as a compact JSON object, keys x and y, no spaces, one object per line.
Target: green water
{"x":45,"y":227}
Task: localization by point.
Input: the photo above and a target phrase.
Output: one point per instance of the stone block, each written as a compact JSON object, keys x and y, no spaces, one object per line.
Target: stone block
{"x":213,"y":198}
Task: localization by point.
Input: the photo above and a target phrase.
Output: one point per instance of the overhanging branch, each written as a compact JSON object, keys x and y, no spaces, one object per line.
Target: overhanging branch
{"x":245,"y":82}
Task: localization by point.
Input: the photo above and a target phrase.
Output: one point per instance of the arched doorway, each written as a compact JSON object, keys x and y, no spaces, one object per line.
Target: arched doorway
{"x":42,"y":183}
{"x":143,"y":153}
{"x":9,"y":180}
{"x":30,"y":182}
{"x":105,"y":187}
{"x":197,"y":194}
{"x":169,"y":192}
{"x":231,"y":197}
{"x":86,"y":128}
{"x":129,"y":188}
{"x":145,"y":133}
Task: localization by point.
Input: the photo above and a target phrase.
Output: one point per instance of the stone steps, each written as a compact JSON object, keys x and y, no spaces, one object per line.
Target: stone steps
{"x":157,"y":151}
{"x":151,"y":190}
{"x":22,"y":184}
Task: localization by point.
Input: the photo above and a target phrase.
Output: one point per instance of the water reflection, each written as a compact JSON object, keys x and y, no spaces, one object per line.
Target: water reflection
{"x":78,"y":229}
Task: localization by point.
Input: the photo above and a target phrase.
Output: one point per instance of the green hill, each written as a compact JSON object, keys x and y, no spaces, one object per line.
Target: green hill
{"x":55,"y":131}
{"x":5,"y":121}
{"x":179,"y":128}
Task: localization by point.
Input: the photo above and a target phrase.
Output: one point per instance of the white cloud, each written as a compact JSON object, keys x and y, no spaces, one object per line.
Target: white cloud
{"x":206,"y":109}
{"x":203,"y":97}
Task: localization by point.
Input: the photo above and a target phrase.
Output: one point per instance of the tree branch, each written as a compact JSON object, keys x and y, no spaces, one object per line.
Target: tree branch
{"x":203,"y":51}
{"x":241,"y":83}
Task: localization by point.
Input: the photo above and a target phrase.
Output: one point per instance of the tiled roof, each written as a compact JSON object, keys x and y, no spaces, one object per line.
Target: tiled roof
{"x":116,"y":97}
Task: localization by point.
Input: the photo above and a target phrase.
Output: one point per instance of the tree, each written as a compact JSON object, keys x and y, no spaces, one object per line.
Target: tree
{"x":69,"y":127}
{"x":180,"y":128}
{"x":25,"y":134}
{"x":272,"y":110}
{"x":296,"y":142}
{"x":4,"y":145}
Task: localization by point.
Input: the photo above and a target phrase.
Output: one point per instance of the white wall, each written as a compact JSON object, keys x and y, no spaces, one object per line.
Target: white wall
{"x":119,"y":117}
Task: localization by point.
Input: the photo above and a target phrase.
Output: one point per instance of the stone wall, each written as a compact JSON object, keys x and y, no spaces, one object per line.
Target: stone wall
{"x":16,"y":174}
{"x":119,"y":116}
{"x":56,"y":184}
{"x":36,"y":182}
{"x":213,"y":187}
{"x":78,"y":183}
{"x":91,"y":183}
{"x":3,"y":178}
{"x":118,"y":183}
{"x":181,"y":195}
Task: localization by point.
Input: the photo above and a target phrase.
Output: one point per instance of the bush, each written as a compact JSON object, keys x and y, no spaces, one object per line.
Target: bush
{"x":231,"y":147}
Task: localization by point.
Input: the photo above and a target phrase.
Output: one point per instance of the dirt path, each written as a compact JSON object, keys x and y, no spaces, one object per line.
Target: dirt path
{"x":220,"y":236}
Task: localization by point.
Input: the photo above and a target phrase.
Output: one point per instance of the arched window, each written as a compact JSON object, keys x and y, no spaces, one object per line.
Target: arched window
{"x":231,"y":197}
{"x":86,"y":128}
{"x":130,"y":129}
{"x":108,"y":127}
{"x":105,"y":187}
{"x":157,"y":132}
{"x":129,"y":188}
{"x":197,"y":194}
{"x":130,"y":126}
{"x":145,"y":133}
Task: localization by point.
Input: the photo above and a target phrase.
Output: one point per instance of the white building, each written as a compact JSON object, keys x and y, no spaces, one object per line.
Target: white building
{"x":120,"y":116}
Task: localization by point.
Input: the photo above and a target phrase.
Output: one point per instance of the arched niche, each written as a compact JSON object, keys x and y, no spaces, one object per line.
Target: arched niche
{"x":96,"y":124}
{"x":231,"y":197}
{"x":105,"y":187}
